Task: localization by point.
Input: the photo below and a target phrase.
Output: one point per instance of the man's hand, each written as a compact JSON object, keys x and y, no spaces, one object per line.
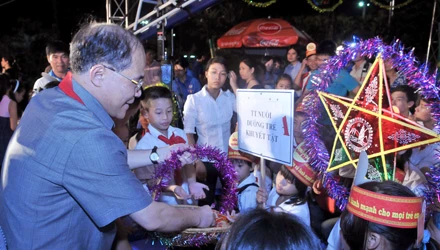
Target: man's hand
{"x":207,"y":217}
{"x":196,"y":190}
{"x":185,"y":158}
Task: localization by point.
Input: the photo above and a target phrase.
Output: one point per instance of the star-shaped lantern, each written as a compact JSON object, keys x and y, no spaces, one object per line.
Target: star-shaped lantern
{"x":369,"y":123}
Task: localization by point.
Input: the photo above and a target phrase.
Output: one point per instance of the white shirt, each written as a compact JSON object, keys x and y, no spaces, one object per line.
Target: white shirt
{"x":334,"y":240}
{"x":293,"y":70}
{"x":148,"y":141}
{"x":360,"y":74}
{"x":302,"y":211}
{"x":210,"y":117}
{"x":248,"y":198}
{"x":426,"y":157}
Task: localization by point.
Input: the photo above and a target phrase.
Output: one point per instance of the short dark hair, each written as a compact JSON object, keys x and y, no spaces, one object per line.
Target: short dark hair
{"x":300,"y":51}
{"x":57,"y":47}
{"x":408,"y":90}
{"x":182,"y":62}
{"x":261,"y":229}
{"x":284,"y":76}
{"x":265,"y":59}
{"x":156,"y":92}
{"x":354,"y":229}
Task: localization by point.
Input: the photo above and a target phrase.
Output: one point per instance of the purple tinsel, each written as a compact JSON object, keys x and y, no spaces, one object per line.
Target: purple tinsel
{"x":221,"y":162}
{"x":417,"y":76}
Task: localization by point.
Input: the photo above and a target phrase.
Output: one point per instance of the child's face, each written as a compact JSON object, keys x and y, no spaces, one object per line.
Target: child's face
{"x":312,"y":62}
{"x":400,"y":100}
{"x":159,"y":113}
{"x":283,"y":84}
{"x":285,"y":187}
{"x":243,"y":169}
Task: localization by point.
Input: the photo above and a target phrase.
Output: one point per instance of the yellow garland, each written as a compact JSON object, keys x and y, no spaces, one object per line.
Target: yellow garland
{"x":384,"y":6}
{"x":260,"y":5}
{"x":321,"y":10}
{"x":175,"y":106}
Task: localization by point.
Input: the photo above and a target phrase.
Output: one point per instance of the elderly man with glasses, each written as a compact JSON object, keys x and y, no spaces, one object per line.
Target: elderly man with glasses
{"x":65,"y":177}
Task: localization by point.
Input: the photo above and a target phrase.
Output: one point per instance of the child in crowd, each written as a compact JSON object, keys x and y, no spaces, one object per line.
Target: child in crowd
{"x":308,"y":65}
{"x":261,"y":229}
{"x":284,"y":82}
{"x":157,"y":107}
{"x":292,"y":182}
{"x":247,"y":186}
{"x":363,"y":230}
{"x":208,"y":113}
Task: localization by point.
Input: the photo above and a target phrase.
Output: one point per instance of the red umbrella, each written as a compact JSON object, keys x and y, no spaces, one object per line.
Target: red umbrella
{"x":262,"y":33}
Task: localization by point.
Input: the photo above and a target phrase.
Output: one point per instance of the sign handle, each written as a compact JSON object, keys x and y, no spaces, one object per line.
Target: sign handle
{"x":262,"y":181}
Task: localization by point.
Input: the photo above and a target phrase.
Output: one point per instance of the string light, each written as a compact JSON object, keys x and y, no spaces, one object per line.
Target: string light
{"x":316,"y":7}
{"x":260,"y":4}
{"x":388,"y":7}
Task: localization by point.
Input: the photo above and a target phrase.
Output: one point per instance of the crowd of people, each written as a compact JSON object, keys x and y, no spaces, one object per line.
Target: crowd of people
{"x":78,"y":160}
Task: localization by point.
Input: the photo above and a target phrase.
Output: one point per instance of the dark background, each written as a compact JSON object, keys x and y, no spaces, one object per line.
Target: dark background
{"x":27,"y":25}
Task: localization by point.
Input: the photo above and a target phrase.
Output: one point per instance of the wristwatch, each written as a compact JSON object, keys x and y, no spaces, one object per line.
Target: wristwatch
{"x":154,"y":156}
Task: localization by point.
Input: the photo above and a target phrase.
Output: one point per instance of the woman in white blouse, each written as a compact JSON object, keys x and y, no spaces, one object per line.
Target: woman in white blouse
{"x":208,"y":114}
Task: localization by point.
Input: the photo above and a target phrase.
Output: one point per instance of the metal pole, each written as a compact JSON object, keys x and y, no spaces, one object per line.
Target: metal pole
{"x":430,"y":32}
{"x":391,"y":12}
{"x":364,"y":10}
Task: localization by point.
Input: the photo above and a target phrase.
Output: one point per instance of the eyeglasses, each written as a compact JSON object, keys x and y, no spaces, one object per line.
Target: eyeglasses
{"x":137,"y":83}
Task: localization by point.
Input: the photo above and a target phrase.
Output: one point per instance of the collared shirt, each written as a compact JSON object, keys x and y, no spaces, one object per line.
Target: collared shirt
{"x":210,"y":117}
{"x":360,"y":73}
{"x":65,"y":178}
{"x":426,"y":157}
{"x":248,"y":198}
{"x":150,"y":139}
{"x":293,"y":70}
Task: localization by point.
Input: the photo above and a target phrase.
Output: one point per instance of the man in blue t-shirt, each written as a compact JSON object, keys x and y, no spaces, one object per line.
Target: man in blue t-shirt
{"x":183,"y":84}
{"x":344,"y":84}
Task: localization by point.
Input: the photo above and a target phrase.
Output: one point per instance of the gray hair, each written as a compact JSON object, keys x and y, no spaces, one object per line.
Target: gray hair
{"x":97,"y":43}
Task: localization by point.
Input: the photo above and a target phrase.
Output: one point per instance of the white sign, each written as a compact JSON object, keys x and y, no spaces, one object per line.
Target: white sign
{"x":265,"y":123}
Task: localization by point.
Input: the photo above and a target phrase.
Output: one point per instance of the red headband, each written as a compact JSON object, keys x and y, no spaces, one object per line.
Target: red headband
{"x":387,"y":210}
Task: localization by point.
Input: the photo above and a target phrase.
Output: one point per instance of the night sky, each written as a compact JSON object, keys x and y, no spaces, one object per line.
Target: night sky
{"x":67,"y":14}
